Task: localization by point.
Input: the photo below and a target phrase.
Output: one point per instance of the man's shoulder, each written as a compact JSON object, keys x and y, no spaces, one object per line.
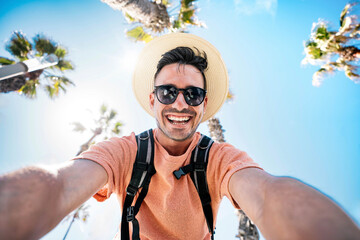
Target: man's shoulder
{"x":225,"y":150}
{"x":127,"y":137}
{"x":217,"y":144}
{"x":117,"y":141}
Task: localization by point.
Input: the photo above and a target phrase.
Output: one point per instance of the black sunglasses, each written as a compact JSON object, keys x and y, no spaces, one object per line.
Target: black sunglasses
{"x":167,"y":94}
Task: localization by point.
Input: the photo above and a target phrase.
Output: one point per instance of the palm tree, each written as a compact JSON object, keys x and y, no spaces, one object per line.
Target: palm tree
{"x":335,"y":50}
{"x":107,"y":125}
{"x":80,"y":213}
{"x":151,"y":18}
{"x":215,"y":128}
{"x":152,"y":15}
{"x":52,"y":79}
{"x":247,"y":230}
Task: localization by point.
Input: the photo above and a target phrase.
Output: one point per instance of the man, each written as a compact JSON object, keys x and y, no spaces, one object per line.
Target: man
{"x":181,"y":89}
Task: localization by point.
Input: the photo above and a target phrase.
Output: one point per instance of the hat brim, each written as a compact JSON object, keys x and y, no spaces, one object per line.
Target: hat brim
{"x":217,"y":81}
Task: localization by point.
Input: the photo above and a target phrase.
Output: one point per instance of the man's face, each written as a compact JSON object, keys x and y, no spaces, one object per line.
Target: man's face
{"x":178,"y":121}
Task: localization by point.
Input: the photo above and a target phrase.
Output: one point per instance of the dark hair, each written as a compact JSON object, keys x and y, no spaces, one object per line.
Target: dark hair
{"x":184,"y":55}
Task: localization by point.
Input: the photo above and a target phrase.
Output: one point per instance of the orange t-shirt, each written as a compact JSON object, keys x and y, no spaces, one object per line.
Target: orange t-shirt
{"x":171,"y":208}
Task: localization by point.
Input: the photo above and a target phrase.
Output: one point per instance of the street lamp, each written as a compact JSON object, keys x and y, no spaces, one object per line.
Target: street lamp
{"x":20,"y":68}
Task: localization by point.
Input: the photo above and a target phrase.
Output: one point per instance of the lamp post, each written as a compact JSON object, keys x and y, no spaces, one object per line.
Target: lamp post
{"x":20,"y":68}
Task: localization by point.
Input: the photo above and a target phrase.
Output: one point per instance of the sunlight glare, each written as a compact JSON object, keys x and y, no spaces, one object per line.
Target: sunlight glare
{"x":80,"y":106}
{"x":129,"y":58}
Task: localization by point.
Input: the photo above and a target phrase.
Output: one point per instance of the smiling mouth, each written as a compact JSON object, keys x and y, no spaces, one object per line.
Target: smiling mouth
{"x":178,"y":120}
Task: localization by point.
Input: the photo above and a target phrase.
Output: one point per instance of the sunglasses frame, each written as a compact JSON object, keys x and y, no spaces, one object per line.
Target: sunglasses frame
{"x":178,"y":90}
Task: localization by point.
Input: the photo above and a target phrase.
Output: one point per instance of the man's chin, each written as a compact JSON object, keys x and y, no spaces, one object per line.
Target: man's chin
{"x":179,"y":135}
{"x":181,"y":138}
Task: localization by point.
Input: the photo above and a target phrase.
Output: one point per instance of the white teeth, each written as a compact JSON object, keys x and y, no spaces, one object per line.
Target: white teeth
{"x":178,"y":119}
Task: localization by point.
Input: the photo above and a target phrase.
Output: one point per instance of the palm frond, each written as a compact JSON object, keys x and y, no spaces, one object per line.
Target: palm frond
{"x":355,"y":32}
{"x":314,"y":50}
{"x":351,"y":72}
{"x":186,"y":16}
{"x":129,"y":18}
{"x":56,"y":83}
{"x":343,"y":14}
{"x":19,"y":46}
{"x":64,"y":80}
{"x":78,"y":127}
{"x":60,"y":52}
{"x":165,"y":2}
{"x":322,"y":33}
{"x":50,"y":90}
{"x":116,"y":128}
{"x":138,"y":34}
{"x":6,"y":61}
{"x":44,"y":45}
{"x":230,"y":96}
{"x":64,"y":65}
{"x":29,"y":88}
{"x":103,"y":109}
{"x":112,"y":114}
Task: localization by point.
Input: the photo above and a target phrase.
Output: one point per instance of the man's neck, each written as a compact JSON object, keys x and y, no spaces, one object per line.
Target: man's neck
{"x":174,"y":148}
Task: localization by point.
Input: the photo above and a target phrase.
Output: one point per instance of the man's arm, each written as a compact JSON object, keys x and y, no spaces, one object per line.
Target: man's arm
{"x":284,"y":208}
{"x":34,"y":200}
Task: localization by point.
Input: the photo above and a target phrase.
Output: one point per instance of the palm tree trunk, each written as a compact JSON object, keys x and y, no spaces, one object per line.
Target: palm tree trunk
{"x":12,"y":84}
{"x":151,"y":14}
{"x":86,"y":145}
{"x":68,"y":229}
{"x":15,"y":83}
{"x":216,"y":130}
{"x":247,"y":229}
{"x":349,"y":53}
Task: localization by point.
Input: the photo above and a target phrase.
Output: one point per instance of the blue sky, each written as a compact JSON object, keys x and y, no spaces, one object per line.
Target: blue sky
{"x":288,"y":126}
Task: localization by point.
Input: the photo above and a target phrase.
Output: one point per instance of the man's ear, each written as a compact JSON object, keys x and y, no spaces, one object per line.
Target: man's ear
{"x":151,"y":100}
{"x":205,"y":103}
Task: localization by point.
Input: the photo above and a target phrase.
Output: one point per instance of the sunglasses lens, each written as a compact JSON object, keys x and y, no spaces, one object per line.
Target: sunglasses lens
{"x":167,"y":94}
{"x":194,"y":96}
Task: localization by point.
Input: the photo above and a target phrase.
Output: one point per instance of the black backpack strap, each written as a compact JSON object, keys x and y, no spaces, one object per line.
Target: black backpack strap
{"x":197,"y":170}
{"x":143,"y":170}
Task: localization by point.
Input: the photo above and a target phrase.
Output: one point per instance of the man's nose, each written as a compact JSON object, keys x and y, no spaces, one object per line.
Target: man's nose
{"x":180,"y":102}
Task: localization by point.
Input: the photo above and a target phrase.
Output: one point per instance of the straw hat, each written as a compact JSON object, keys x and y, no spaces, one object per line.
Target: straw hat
{"x":217,"y":81}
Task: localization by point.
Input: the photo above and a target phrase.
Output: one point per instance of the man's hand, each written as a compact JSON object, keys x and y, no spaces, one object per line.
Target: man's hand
{"x":285,"y":208}
{"x":34,"y":200}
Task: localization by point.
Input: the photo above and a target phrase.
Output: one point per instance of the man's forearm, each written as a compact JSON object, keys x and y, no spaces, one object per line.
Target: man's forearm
{"x":29,"y":203}
{"x":293,"y":210}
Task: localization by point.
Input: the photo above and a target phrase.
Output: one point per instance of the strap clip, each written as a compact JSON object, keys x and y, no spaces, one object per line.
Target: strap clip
{"x":130,"y":214}
{"x":145,"y":135}
{"x":179,"y":173}
{"x":131,"y":190}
